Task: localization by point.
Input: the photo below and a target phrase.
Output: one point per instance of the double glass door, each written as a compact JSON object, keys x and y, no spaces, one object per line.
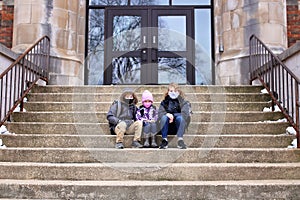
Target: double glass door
{"x":149,"y":46}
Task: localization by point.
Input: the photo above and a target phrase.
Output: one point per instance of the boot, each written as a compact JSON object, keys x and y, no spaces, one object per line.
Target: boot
{"x":153,"y":143}
{"x":146,"y":143}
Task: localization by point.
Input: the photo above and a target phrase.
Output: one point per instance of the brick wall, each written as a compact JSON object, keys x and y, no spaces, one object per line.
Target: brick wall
{"x":6,"y":23}
{"x":293,"y":21}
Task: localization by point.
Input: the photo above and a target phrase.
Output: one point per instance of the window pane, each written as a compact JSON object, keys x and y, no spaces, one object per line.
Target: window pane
{"x":190,"y":2}
{"x":109,"y":2}
{"x":172,"y":69}
{"x":149,"y":2}
{"x":126,"y":33}
{"x":126,"y":70}
{"x":203,"y":59}
{"x":171,"y":33}
{"x":95,"y":58}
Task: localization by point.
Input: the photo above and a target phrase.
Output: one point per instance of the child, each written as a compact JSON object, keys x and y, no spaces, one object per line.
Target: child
{"x":147,"y":113}
{"x":125,"y":122}
{"x":174,"y":109}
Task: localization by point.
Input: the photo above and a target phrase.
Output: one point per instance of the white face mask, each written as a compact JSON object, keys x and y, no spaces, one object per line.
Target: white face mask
{"x":173,"y":95}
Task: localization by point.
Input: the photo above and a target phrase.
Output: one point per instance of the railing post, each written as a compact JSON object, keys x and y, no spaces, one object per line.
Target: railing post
{"x":297,"y":114}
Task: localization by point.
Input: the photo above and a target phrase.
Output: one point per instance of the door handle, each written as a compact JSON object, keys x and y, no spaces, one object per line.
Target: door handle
{"x":144,"y":54}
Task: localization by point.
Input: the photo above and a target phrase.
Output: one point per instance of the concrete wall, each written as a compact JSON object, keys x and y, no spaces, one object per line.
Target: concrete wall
{"x":235,"y":22}
{"x":291,"y":57}
{"x":64,"y":22}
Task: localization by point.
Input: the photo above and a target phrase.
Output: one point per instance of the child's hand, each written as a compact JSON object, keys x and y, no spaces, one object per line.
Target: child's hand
{"x":171,"y":117}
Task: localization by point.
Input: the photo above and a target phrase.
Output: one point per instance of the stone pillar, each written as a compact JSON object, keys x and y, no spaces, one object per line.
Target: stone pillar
{"x":235,"y":22}
{"x":64,"y":22}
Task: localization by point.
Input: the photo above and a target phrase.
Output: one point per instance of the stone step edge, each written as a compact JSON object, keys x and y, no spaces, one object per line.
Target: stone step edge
{"x":132,"y":150}
{"x":149,"y":165}
{"x":106,"y":123}
{"x":130,"y":136}
{"x":118,"y":183}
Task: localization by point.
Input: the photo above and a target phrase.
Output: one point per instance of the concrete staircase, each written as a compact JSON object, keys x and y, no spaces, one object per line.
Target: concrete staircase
{"x":62,"y":149}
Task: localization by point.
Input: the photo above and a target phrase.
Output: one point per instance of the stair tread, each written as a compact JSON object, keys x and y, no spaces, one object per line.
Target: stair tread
{"x":148,"y":183}
{"x":151,"y":165}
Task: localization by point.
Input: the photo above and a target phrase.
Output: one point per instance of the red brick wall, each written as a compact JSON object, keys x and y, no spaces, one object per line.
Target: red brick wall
{"x":293,"y":22}
{"x":6,"y":24}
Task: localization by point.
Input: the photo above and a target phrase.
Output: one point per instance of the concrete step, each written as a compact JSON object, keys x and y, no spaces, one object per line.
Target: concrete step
{"x":104,"y":106}
{"x":201,"y":128}
{"x":145,"y":155}
{"x":108,"y":141}
{"x":114,"y":190}
{"x":149,"y":171}
{"x":110,"y":97}
{"x":140,"y":88}
{"x":197,"y":116}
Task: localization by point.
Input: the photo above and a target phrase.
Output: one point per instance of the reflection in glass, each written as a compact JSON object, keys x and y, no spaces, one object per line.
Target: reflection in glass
{"x":126,"y":70}
{"x":172,"y":33}
{"x":149,"y":2}
{"x":126,"y":33}
{"x":191,"y":2}
{"x":95,"y":58}
{"x":108,"y":2}
{"x":203,"y":59}
{"x":172,"y":70}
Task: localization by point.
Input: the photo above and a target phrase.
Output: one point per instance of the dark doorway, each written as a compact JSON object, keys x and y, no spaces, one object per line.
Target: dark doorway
{"x":149,"y":45}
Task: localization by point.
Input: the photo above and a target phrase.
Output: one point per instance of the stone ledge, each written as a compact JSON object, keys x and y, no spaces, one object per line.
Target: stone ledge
{"x":4,"y":51}
{"x":290,"y":51}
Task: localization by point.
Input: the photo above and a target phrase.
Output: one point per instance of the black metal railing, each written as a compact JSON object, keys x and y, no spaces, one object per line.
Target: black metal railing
{"x":18,"y":79}
{"x":282,"y":84}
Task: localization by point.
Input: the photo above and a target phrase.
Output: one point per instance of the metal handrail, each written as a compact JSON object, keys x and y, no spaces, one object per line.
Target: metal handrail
{"x":281,"y":83}
{"x":18,"y":79}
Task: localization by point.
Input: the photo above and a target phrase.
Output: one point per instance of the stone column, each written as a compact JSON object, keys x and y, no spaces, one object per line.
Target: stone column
{"x":235,"y":22}
{"x":64,"y":22}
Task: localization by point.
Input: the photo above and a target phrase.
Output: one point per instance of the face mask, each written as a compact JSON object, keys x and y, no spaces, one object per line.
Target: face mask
{"x":147,"y":104}
{"x":128,"y":101}
{"x":173,"y":95}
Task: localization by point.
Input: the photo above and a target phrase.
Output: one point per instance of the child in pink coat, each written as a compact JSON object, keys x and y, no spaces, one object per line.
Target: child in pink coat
{"x":147,"y":113}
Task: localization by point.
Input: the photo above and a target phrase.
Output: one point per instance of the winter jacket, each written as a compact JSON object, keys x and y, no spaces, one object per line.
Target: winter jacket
{"x":172,"y":106}
{"x":145,"y":114}
{"x":127,"y":113}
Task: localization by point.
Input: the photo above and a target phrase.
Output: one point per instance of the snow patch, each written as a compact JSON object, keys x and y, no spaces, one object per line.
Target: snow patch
{"x":293,"y":144}
{"x":264,"y":91}
{"x":4,"y":131}
{"x":291,"y":131}
{"x":266,"y":109}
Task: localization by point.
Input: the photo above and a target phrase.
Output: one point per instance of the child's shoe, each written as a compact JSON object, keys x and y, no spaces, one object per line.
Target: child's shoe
{"x":164,"y":144}
{"x":119,"y":145}
{"x":146,"y":143}
{"x":136,"y":144}
{"x":181,"y":145}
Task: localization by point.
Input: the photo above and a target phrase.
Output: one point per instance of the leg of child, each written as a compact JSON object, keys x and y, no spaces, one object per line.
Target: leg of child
{"x":146,"y":133}
{"x":136,"y":129}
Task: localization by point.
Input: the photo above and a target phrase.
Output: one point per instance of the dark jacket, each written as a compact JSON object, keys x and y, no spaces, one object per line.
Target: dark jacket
{"x":173,"y":106}
{"x":127,"y":113}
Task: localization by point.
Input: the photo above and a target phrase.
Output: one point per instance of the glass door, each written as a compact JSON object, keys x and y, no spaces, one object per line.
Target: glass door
{"x":149,"y":46}
{"x":124,"y":42}
{"x":173,"y":45}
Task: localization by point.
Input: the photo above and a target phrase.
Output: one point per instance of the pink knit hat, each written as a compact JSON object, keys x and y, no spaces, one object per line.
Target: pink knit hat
{"x":147,"y":96}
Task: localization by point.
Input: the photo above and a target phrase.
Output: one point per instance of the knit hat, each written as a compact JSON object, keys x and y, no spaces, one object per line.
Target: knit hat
{"x":147,"y":96}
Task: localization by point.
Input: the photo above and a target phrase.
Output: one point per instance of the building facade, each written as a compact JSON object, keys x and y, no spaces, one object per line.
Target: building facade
{"x":200,"y":42}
